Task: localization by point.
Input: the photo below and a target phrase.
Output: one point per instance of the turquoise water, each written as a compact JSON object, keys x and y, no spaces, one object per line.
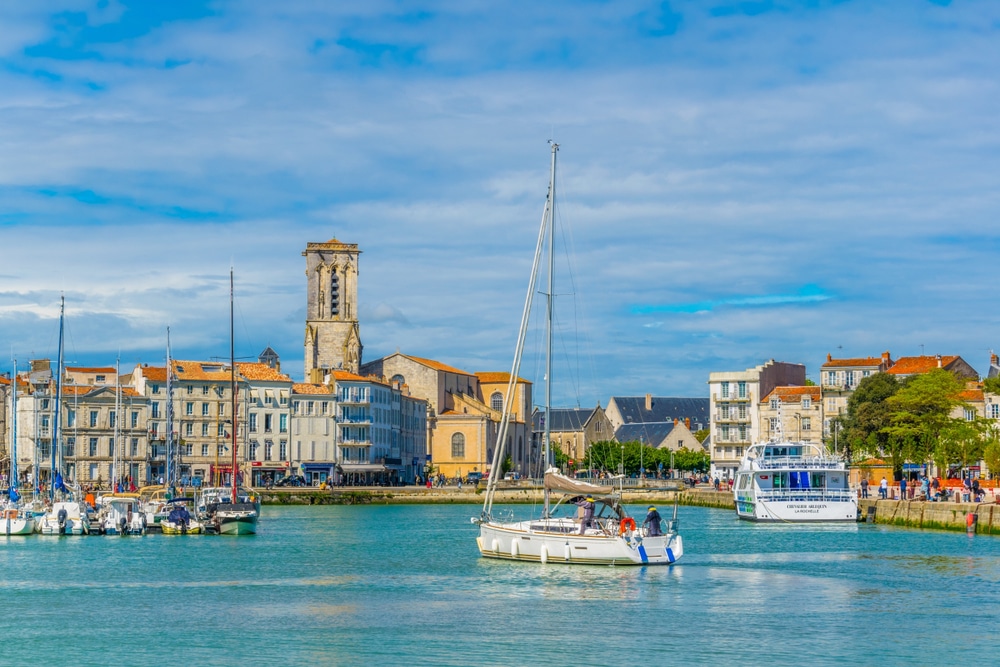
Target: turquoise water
{"x":405,"y":585}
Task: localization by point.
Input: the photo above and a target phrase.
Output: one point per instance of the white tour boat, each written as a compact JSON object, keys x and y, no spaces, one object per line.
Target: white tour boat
{"x":793,"y":482}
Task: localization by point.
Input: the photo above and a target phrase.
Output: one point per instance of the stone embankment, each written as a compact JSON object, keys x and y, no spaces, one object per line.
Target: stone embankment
{"x":419,"y":495}
{"x":933,"y":515}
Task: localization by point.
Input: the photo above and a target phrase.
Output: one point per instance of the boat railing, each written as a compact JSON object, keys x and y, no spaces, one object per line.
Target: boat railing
{"x":791,"y":495}
{"x":780,"y":462}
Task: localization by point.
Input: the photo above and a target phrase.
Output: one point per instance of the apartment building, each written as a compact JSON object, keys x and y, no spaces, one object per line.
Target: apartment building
{"x":735,"y":418}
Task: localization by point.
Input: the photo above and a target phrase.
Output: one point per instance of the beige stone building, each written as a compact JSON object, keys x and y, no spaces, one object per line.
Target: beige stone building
{"x":464,"y":412}
{"x":572,"y":430}
{"x":792,"y":413}
{"x":838,"y":380}
{"x":333,"y":337}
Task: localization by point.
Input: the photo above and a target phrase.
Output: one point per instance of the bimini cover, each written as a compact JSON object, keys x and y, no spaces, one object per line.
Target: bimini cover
{"x":557,"y":482}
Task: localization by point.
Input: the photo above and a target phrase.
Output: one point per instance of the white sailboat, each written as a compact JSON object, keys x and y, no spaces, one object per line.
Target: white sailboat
{"x":17,"y":519}
{"x":66,"y":514}
{"x":561,"y":534}
{"x":234,"y":511}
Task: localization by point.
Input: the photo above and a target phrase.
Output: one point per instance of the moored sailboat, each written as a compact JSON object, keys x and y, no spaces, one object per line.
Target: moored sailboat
{"x":233,"y":512}
{"x":604,"y":534}
{"x":17,"y":520}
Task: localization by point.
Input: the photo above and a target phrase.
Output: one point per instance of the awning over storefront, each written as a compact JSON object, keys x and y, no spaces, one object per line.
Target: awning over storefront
{"x":363,"y":467}
{"x":317,"y":465}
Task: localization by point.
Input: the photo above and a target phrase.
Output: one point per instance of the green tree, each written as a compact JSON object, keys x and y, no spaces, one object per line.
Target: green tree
{"x":861,"y":430}
{"x":921,"y":414}
{"x":560,"y":457}
{"x":991,"y":450}
{"x":701,"y":434}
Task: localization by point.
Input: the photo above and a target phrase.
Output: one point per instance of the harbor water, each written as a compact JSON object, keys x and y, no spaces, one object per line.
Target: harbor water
{"x":405,"y":585}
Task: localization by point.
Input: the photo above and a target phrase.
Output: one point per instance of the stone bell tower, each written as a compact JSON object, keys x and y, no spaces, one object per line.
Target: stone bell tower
{"x":333,"y":339}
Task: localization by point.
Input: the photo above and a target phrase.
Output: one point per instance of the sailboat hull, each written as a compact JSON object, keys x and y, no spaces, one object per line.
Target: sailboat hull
{"x":558,"y":541}
{"x":17,"y":525}
{"x":237,"y":525}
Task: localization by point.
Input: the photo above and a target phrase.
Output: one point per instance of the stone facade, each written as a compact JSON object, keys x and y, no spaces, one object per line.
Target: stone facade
{"x":792,"y":413}
{"x":332,"y":338}
{"x":735,"y":418}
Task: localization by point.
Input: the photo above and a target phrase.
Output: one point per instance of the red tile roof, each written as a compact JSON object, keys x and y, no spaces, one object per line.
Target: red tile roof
{"x":261,"y":372}
{"x":436,"y":365}
{"x":305,"y":388}
{"x":90,"y":370}
{"x":794,"y":394}
{"x":497,"y":378}
{"x":924,"y":364}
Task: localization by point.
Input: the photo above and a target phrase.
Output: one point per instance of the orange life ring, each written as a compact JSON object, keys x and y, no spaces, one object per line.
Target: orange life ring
{"x":628,"y":523}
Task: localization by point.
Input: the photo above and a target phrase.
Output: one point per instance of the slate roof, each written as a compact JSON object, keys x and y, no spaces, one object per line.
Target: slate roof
{"x":665,"y":409}
{"x":563,"y":420}
{"x":651,"y":434}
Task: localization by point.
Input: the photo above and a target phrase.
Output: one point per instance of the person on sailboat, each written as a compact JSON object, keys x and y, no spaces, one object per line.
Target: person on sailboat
{"x":588,"y":513}
{"x":652,"y":523}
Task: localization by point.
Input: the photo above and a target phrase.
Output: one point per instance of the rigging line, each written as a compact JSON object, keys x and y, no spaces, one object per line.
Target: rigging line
{"x":580,"y":312}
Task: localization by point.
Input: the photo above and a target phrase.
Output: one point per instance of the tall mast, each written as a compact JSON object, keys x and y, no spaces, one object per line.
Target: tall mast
{"x":169,"y":439}
{"x":508,"y":405}
{"x":232,"y":379}
{"x":116,"y":459}
{"x":548,"y":321}
{"x":14,"y":485}
{"x":56,"y":433}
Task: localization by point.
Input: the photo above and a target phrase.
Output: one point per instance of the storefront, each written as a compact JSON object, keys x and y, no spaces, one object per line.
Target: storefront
{"x":263,"y":473}
{"x":367,"y":474}
{"x":317,"y":472}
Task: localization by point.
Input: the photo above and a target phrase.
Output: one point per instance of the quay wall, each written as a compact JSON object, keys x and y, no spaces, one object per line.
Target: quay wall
{"x":418,"y":495}
{"x":932,"y":515}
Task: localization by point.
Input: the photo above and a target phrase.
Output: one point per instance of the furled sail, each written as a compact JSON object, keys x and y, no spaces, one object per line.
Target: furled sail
{"x":554,"y":481}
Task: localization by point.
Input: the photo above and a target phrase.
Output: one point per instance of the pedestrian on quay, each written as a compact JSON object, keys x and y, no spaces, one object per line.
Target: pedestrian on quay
{"x":925,"y":487}
{"x":864,"y":487}
{"x":902,"y":487}
{"x":883,"y":489}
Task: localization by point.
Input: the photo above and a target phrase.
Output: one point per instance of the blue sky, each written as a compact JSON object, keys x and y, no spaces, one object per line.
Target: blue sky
{"x":739,"y":181}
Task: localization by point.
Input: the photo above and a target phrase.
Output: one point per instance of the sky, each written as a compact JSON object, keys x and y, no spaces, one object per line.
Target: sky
{"x":737,"y":181}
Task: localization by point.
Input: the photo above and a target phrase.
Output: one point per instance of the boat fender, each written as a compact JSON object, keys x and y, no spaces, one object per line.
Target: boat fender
{"x":567,"y":552}
{"x":627,"y":524}
{"x":496,"y":546}
{"x":545,"y":554}
{"x":514,"y":551}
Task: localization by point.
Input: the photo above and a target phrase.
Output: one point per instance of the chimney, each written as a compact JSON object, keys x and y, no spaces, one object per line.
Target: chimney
{"x":687,"y":422}
{"x":939,"y":360}
{"x":994,"y":360}
{"x":649,"y":402}
{"x":829,"y":357}
{"x":676,"y":420}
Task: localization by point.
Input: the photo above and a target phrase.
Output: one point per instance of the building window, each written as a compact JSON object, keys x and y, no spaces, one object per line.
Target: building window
{"x":993,"y":411}
{"x":154,"y":388}
{"x":724,"y":433}
{"x":189,"y":429}
{"x":458,"y":446}
{"x":831,"y":378}
{"x":134,"y":451}
{"x":970,"y":414}
{"x":742,"y":411}
{"x":70,"y":418}
{"x":99,"y":379}
{"x":204,"y":450}
{"x":496,"y":401}
{"x":806,"y":424}
{"x":111,"y":447}
{"x":135,"y":419}
{"x":267,"y":423}
{"x":204,"y":430}
{"x":850,"y":378}
{"x":112,"y":418}
{"x":806,"y":402}
{"x":155,"y":407}
{"x":204,"y":409}
{"x":775,"y":403}
{"x":93,"y":418}
{"x":742,"y":389}
{"x":773,"y":422}
{"x":268,"y":446}
{"x":283,"y":450}
{"x":725,"y":390}
{"x":190,"y":389}
{"x":253,"y":422}
{"x":70,"y":448}
{"x":92,"y":449}
{"x":189,"y":408}
{"x":283,"y":422}
{"x":743,"y":433}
